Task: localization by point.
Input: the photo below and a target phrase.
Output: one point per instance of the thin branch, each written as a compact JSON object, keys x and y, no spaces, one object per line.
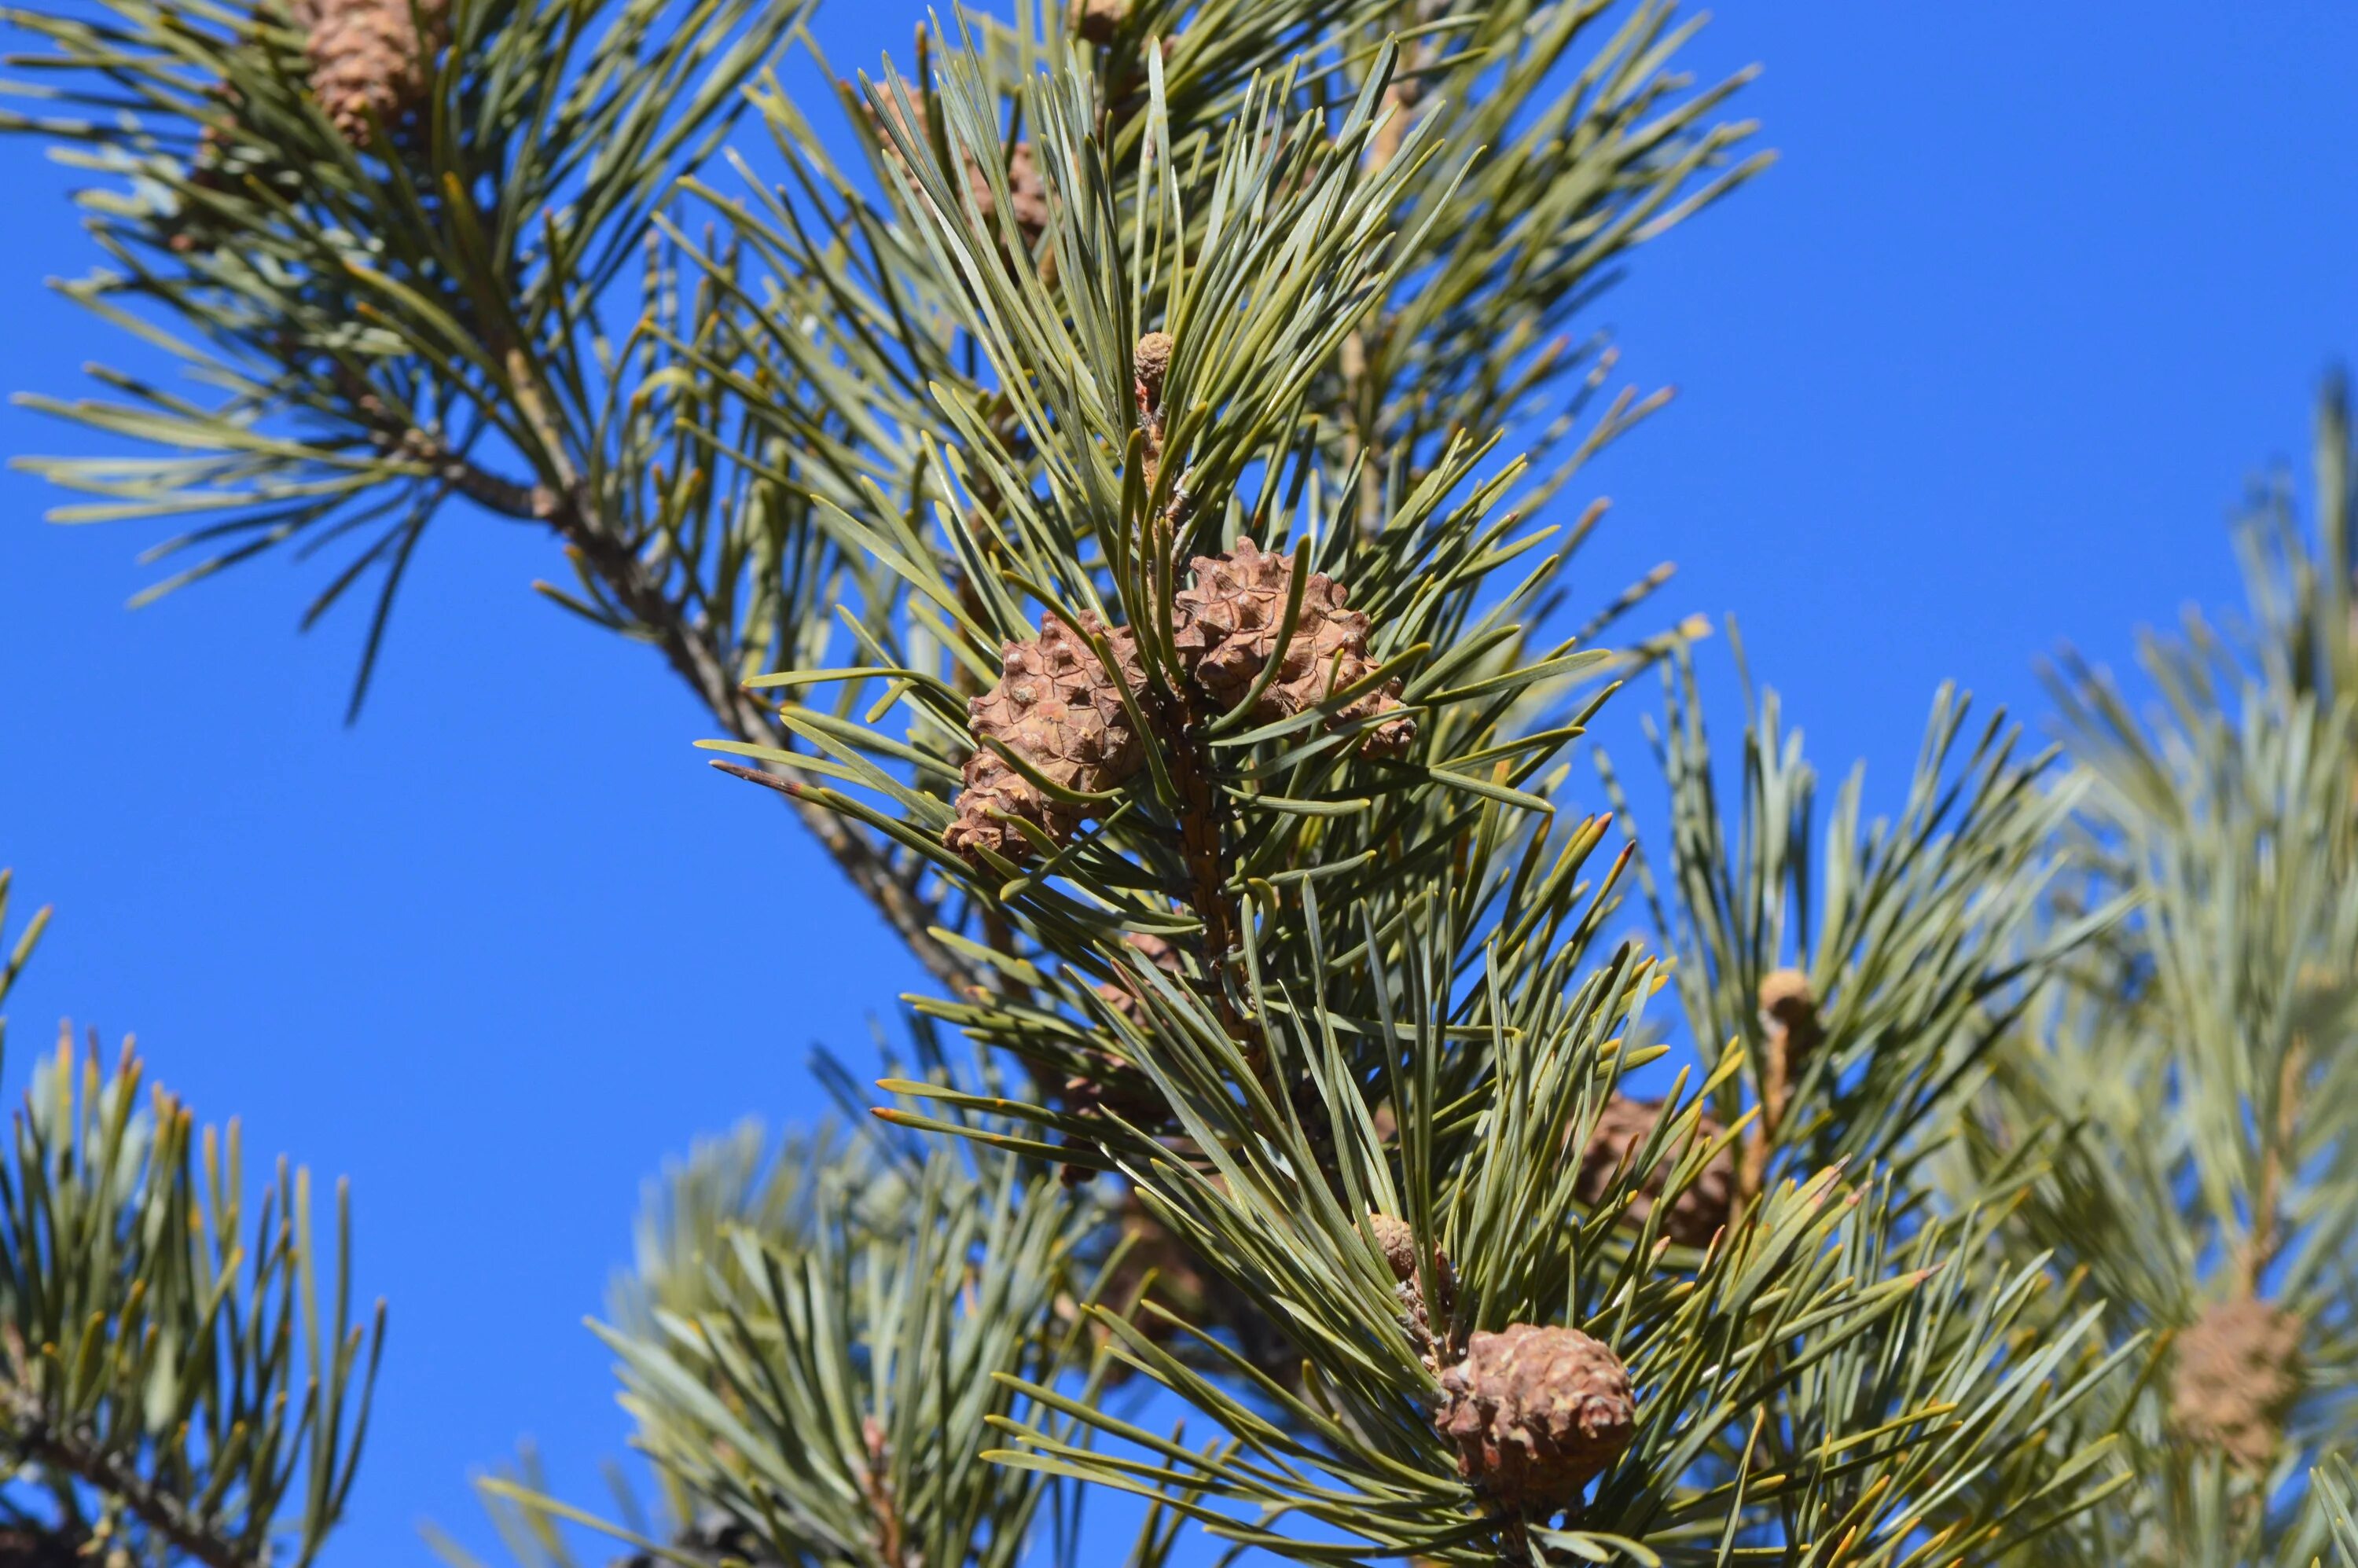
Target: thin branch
{"x":159,"y":1510}
{"x":694,"y":657}
{"x":1752,"y":1174}
{"x":2260,"y":1250}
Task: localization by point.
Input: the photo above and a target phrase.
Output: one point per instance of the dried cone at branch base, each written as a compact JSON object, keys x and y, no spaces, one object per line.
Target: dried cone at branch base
{"x":1396,"y":1240}
{"x":1096,"y":21}
{"x":208,"y":170}
{"x":1189,"y":1289}
{"x":1789,"y":1012}
{"x":1614,"y":1144}
{"x":1225,"y":629}
{"x":2237,"y":1372}
{"x":1027,"y":192}
{"x":1058,"y":708}
{"x":1535,"y":1412}
{"x":1159,"y":953}
{"x":371,"y":57}
{"x":1106,"y":1082}
{"x":1150,"y":362}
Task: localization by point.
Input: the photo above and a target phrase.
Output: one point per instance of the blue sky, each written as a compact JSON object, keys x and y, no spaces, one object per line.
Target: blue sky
{"x":1980,"y":365}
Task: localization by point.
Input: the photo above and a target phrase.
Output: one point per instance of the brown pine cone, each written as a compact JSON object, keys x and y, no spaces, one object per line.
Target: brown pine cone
{"x":1192,"y":1289}
{"x":1027,"y":191}
{"x":1535,"y":1412}
{"x":1397,"y":1241}
{"x":1621,"y":1131}
{"x":1056,"y":707}
{"x":1150,"y":362}
{"x":369,"y":55}
{"x":1790,"y":1012}
{"x":208,"y":170}
{"x":1159,"y":953}
{"x":2237,"y":1372}
{"x":1226,"y":629}
{"x":1096,"y":21}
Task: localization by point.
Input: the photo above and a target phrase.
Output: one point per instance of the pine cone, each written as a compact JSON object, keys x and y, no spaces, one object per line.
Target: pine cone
{"x":1535,"y":1412}
{"x":1397,"y":1241}
{"x":1189,"y":1288}
{"x":1027,"y":192}
{"x":1621,"y":1131}
{"x":1159,"y":953}
{"x":1096,"y":21}
{"x":2237,"y":1372}
{"x":1226,"y":632}
{"x":369,"y":55}
{"x":1056,"y":707}
{"x":184,"y":227}
{"x":1790,"y":1012}
{"x":1150,"y":361}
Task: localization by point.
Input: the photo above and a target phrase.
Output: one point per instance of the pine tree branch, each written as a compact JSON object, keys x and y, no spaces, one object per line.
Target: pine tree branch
{"x":2260,"y":1250}
{"x":35,"y":1546}
{"x":693,"y":654}
{"x":1752,"y":1174}
{"x":39,"y":1440}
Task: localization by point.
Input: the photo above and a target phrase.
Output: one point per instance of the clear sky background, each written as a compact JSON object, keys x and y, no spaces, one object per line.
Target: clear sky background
{"x":1979,"y":366}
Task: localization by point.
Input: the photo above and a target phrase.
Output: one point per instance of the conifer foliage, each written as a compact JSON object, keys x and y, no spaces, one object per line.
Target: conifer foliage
{"x":1121,"y":514}
{"x":170,"y":1389}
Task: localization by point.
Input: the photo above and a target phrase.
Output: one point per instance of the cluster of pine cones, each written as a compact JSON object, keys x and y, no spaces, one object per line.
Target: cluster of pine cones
{"x":1060,"y":706}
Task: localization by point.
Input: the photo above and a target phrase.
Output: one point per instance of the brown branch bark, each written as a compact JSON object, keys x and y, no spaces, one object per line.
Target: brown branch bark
{"x":2260,"y":1250}
{"x":1752,"y":1172}
{"x":1203,"y":841}
{"x":692,"y":654}
{"x":38,"y":1440}
{"x":695,"y":656}
{"x":883,"y":1509}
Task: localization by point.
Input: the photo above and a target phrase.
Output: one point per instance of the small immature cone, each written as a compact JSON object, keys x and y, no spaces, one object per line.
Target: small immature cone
{"x":1027,"y":191}
{"x":1788,"y":1013}
{"x":2237,"y":1372}
{"x":1159,"y":953}
{"x":1621,"y":1131}
{"x":1397,"y":1241}
{"x":1535,"y":1412}
{"x":370,"y":54}
{"x":1058,"y":708}
{"x":1150,"y":362}
{"x":1096,"y":21}
{"x":1226,"y":627}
